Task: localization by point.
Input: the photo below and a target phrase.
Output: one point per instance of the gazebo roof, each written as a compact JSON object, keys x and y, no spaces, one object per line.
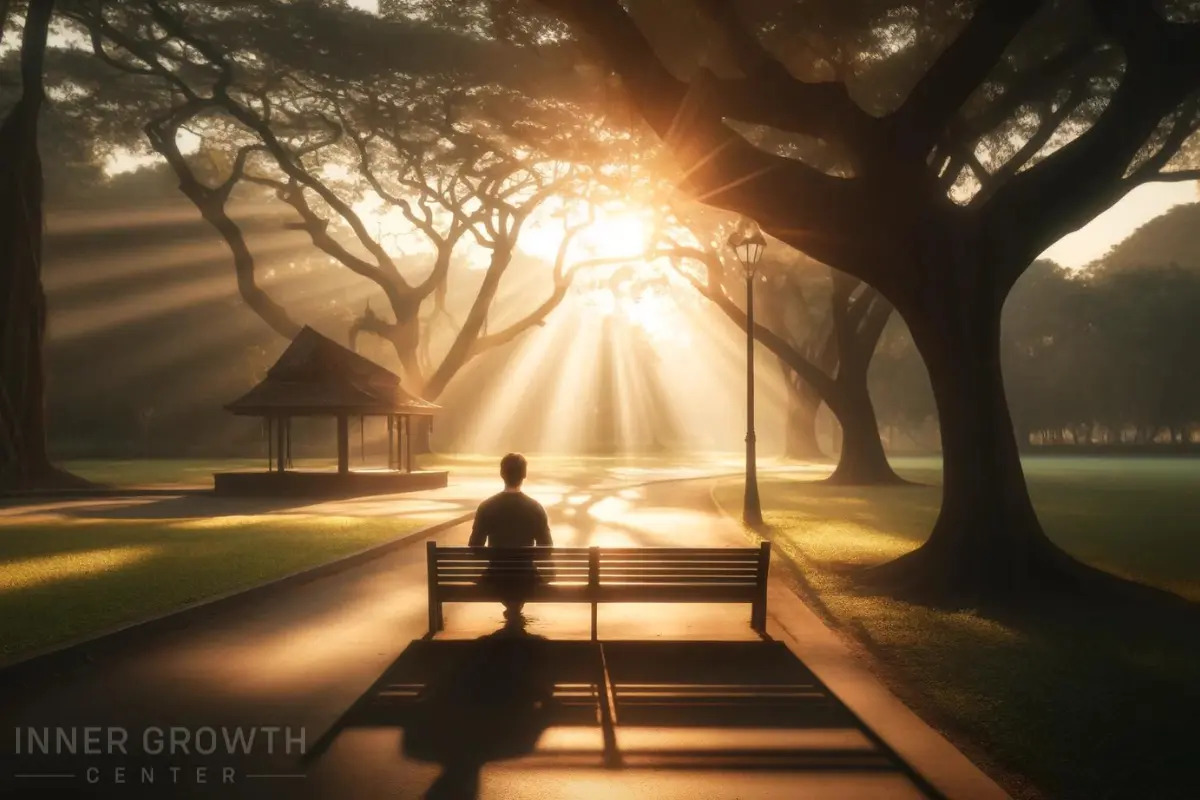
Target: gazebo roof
{"x":316,"y":376}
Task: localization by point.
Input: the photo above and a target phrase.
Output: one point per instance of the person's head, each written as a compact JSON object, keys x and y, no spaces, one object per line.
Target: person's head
{"x":512,"y":469}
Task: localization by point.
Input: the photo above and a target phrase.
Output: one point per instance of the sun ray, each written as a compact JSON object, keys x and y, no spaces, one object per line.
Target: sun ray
{"x":69,"y":272}
{"x":504,"y":402}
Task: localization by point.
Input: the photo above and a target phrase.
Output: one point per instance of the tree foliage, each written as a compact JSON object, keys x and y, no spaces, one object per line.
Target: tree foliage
{"x":444,"y":137}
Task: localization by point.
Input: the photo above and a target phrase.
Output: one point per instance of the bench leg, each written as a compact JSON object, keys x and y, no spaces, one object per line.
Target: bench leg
{"x":595,"y":606}
{"x":758,"y":617}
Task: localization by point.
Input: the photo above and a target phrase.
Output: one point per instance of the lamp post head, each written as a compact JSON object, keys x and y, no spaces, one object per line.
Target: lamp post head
{"x":748,"y":243}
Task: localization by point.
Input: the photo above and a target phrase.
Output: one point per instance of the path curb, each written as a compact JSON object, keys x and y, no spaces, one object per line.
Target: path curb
{"x":98,"y":493}
{"x":80,"y":652}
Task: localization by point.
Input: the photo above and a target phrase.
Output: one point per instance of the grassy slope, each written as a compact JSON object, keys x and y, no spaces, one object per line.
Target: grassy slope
{"x":64,"y":579}
{"x":1085,"y":706}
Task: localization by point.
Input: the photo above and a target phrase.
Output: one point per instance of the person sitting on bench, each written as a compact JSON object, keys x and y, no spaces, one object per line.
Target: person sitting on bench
{"x":511,"y":519}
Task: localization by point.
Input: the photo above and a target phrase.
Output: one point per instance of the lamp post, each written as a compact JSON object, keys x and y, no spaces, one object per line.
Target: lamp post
{"x":747,"y":243}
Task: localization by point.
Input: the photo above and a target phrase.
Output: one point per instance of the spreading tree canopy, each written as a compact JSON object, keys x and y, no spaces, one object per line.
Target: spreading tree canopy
{"x":932,"y":149}
{"x":336,"y":117}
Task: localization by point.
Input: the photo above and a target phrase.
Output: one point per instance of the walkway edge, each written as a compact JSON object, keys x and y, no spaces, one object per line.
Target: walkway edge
{"x":81,"y":651}
{"x":927,"y":752}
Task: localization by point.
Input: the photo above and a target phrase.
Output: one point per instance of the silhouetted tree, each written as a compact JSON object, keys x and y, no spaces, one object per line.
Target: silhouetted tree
{"x":966,"y":140}
{"x":838,"y":372}
{"x":23,"y":457}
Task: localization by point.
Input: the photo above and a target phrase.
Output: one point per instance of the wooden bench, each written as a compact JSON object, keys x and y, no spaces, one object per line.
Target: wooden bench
{"x":604,"y":575}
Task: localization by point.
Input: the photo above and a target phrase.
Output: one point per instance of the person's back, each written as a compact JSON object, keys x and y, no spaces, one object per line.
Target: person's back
{"x":511,"y":519}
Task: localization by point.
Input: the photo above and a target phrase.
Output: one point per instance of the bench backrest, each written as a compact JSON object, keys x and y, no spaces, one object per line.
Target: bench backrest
{"x":606,"y":566}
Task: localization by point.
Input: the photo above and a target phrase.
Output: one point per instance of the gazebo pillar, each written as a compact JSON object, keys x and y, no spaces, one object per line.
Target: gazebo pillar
{"x":281,"y":443}
{"x":408,"y":463}
{"x":343,"y":443}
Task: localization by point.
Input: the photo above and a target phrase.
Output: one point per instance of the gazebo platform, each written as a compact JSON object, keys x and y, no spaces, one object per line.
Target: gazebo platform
{"x":326,"y":484}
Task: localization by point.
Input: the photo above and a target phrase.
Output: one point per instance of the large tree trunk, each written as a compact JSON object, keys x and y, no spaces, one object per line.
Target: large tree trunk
{"x":857,"y":329}
{"x":25,"y":462}
{"x":862,"y":460}
{"x":987,"y":545}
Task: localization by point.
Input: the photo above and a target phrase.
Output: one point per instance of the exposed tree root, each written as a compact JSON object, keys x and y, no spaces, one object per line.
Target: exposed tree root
{"x":866,"y":477}
{"x":1033,"y":579}
{"x":44,"y":478}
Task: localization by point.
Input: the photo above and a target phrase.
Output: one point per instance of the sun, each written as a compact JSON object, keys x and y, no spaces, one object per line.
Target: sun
{"x":615,"y":233}
{"x":644,"y":295}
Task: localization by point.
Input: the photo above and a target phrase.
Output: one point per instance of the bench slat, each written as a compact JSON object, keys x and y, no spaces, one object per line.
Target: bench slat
{"x":651,"y":581}
{"x":630,"y":593}
{"x":575,"y":553}
{"x":602,"y":569}
{"x":635,"y":569}
{"x":652,"y":593}
{"x":656,"y":563}
{"x":605,"y":579}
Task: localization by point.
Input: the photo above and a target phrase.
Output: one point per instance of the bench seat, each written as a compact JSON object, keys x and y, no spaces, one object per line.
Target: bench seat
{"x":597,"y":575}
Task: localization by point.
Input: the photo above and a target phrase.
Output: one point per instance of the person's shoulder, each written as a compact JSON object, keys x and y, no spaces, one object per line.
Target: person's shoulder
{"x":492,"y":501}
{"x":529,"y":501}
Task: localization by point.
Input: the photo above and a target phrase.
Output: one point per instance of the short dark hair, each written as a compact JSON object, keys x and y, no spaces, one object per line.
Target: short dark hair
{"x":513,"y":468}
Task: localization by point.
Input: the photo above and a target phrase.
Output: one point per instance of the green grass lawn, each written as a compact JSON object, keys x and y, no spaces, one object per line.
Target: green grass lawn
{"x":62,"y":579}
{"x":144,"y":472}
{"x":1069,"y":705}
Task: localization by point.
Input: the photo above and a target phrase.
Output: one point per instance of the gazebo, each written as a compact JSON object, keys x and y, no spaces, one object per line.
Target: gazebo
{"x":317,"y":377}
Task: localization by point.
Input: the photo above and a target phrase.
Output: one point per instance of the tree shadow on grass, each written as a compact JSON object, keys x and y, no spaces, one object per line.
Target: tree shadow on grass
{"x":1089,"y":695}
{"x":182,"y":507}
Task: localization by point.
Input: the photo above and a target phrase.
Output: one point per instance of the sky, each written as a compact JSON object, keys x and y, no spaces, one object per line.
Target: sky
{"x":1139,"y":206}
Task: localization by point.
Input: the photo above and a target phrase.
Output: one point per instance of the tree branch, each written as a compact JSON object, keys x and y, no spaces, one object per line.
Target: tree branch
{"x":720,"y":167}
{"x":810,"y":372}
{"x":1070,"y":186}
{"x":922,"y":119}
{"x":1184,"y":127}
{"x":317,"y":228}
{"x":162,"y":133}
{"x":1029,"y":86}
{"x":1173,"y":176}
{"x":372,"y":323}
{"x":1040,"y":138}
{"x":562,"y":284}
{"x":770,"y":95}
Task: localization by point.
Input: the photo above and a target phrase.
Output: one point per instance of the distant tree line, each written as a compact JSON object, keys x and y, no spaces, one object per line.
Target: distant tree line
{"x":1099,"y":357}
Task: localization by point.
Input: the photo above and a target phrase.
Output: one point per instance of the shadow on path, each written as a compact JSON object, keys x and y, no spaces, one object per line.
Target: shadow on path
{"x":734,"y":706}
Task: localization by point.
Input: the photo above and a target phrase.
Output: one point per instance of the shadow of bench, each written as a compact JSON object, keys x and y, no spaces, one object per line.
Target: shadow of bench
{"x":740,"y":706}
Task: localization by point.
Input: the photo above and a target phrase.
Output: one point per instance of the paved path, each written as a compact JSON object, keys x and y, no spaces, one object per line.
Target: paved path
{"x":696,"y":705}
